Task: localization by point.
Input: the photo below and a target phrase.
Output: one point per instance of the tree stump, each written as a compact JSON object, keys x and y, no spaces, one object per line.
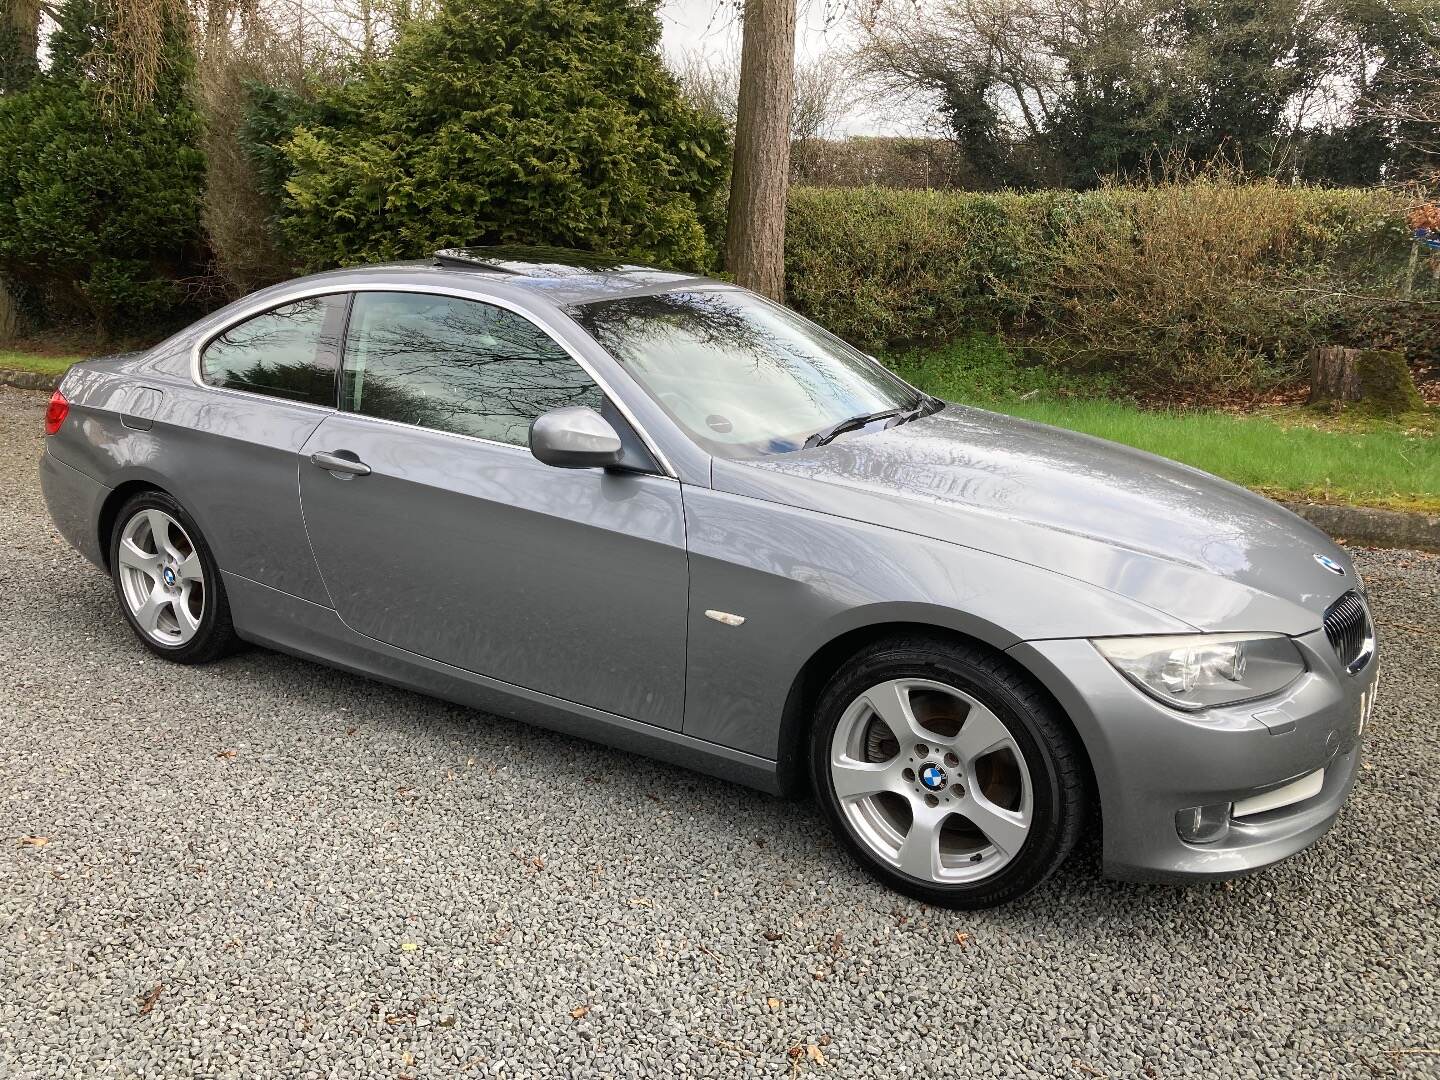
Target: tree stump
{"x":1334,"y":374}
{"x":1379,"y":378}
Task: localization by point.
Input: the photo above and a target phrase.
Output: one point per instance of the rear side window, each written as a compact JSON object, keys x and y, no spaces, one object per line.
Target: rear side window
{"x":288,"y":352}
{"x":462,"y":366}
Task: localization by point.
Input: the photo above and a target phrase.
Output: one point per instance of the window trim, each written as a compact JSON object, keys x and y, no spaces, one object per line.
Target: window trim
{"x":197,"y":367}
{"x":349,"y":290}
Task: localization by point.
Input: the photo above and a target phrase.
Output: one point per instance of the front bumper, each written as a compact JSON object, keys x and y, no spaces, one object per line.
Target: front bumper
{"x":1151,"y":761}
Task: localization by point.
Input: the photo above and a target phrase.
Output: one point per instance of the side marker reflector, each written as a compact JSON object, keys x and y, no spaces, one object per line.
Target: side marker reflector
{"x":725,"y":617}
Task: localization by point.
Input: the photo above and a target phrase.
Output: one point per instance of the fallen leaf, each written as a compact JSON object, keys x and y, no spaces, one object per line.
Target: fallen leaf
{"x":409,"y":946}
{"x":407,"y":1059}
{"x":578,"y":1013}
{"x":447,"y":1021}
{"x":226,"y":755}
{"x":773,"y":935}
{"x":774,"y":1003}
{"x":351,"y":731}
{"x":641,"y":901}
{"x":813,"y":1053}
{"x":34,"y":841}
{"x":150,"y":999}
{"x":961,"y":938}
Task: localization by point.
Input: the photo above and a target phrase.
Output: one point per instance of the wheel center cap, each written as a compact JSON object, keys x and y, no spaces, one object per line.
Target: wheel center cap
{"x":933,"y":777}
{"x":170,"y":577}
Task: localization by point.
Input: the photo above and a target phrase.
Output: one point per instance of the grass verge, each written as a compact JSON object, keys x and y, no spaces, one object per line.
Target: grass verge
{"x":1286,"y":453}
{"x":45,"y":364}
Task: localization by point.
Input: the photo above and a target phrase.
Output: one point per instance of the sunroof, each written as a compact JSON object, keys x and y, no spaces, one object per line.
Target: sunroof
{"x":525,"y":261}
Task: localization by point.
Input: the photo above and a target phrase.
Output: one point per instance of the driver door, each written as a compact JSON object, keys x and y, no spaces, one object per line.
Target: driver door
{"x":437,"y":532}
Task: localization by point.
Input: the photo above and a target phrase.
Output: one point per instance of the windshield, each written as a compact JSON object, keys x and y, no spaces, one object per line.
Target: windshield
{"x":743,"y":376}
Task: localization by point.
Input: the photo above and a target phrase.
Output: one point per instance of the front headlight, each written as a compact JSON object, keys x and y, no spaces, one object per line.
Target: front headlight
{"x":1197,"y":671}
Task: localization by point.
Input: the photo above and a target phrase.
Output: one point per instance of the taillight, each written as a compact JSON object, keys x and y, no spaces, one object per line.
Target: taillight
{"x":56,"y":412}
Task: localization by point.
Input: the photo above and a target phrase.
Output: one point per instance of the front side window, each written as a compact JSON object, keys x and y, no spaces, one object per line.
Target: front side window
{"x":288,"y":352}
{"x":742,"y":376}
{"x":456,"y":365}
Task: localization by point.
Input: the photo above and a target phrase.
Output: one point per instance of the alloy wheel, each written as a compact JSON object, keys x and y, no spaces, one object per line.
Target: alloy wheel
{"x":161,"y":577}
{"x":931,"y":781}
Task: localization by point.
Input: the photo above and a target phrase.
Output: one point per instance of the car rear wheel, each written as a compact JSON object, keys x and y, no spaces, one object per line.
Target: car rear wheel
{"x":946,"y":772}
{"x":167,"y":582}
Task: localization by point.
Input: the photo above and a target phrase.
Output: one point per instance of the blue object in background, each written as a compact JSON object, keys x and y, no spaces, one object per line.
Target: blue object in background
{"x":1429,"y":237}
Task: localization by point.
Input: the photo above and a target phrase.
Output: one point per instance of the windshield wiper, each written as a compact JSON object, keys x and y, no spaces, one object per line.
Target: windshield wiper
{"x":854,"y":423}
{"x":823,"y":436}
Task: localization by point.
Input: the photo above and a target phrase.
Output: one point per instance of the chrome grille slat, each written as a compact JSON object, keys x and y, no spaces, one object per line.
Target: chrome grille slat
{"x":1347,"y":625}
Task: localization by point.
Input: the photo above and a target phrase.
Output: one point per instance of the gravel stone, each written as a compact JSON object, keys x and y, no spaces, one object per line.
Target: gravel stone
{"x":266,"y":868}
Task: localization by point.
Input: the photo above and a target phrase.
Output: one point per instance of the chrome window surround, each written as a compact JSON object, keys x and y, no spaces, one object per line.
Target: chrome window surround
{"x":251,"y":311}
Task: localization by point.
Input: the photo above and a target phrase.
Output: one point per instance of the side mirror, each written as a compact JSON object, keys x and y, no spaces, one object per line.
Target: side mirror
{"x":575,"y":437}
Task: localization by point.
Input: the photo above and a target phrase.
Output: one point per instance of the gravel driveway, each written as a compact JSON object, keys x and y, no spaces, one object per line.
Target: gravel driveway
{"x":264,"y":868}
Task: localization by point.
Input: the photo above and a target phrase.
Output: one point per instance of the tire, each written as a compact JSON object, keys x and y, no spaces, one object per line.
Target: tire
{"x":994,"y":802}
{"x":170,"y":593}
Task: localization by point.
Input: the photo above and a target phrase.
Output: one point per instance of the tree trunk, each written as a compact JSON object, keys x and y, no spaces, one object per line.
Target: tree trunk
{"x":19,"y":36}
{"x":1334,"y":374}
{"x":755,"y":234}
{"x":9,"y":316}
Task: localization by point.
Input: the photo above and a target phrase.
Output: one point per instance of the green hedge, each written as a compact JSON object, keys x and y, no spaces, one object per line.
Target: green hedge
{"x":100,"y":197}
{"x":1169,"y":285}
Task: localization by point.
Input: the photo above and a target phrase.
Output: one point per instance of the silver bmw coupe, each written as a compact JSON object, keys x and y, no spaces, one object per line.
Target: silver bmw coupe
{"x":660,"y":512}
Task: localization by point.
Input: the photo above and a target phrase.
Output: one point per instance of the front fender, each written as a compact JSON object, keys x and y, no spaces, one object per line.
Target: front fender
{"x":802,"y":579}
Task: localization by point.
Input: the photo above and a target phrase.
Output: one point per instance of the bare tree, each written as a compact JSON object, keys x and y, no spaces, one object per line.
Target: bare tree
{"x":710,"y":84}
{"x":823,"y":91}
{"x":1414,"y":115}
{"x":755,"y":234}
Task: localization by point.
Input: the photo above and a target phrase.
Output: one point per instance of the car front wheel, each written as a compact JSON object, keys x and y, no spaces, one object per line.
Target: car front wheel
{"x":946,"y":772}
{"x":167,"y":582}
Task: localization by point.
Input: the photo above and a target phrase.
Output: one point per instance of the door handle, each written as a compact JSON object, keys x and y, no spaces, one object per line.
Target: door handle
{"x":340,"y":464}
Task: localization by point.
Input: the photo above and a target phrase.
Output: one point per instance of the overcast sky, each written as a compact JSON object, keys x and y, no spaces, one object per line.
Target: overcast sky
{"x":713,"y":27}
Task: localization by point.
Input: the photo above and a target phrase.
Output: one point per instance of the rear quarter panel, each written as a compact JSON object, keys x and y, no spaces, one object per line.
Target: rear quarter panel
{"x":230,"y":459}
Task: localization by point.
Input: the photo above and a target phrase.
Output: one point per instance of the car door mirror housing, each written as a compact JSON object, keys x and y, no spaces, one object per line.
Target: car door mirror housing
{"x":575,"y":437}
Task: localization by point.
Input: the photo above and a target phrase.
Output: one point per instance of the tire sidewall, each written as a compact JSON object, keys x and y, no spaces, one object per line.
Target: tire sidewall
{"x":1041,"y":851}
{"x":214,"y":597}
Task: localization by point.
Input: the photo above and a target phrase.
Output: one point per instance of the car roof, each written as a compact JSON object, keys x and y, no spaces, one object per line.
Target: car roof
{"x":563,"y":276}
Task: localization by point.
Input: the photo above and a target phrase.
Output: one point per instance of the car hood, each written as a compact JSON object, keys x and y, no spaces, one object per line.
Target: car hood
{"x":1176,"y":539}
